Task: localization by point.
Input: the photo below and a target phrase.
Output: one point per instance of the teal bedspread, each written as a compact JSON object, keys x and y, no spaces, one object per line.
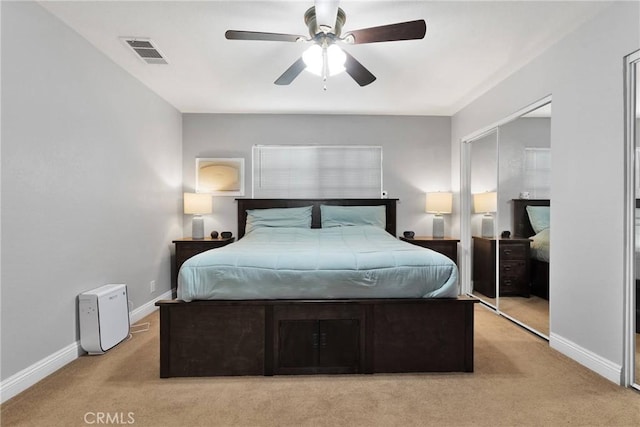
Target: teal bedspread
{"x":540,"y":245}
{"x":299,"y":263}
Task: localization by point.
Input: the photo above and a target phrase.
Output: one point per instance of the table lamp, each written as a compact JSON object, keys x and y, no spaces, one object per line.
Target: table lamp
{"x":197,"y":204}
{"x":439,"y":203}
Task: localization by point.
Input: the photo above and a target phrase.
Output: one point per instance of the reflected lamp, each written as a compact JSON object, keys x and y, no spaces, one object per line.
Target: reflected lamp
{"x":197,"y":204}
{"x":486,"y":203}
{"x":439,"y":203}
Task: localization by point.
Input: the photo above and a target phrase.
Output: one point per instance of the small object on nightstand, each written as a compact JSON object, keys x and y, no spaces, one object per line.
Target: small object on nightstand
{"x":409,"y":234}
{"x":214,"y":234}
{"x":226,"y":234}
{"x":506,"y":234}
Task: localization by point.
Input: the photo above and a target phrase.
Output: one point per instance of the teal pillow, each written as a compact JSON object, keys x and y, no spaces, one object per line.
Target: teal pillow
{"x":344,"y":216}
{"x":539,"y":217}
{"x":278,"y":217}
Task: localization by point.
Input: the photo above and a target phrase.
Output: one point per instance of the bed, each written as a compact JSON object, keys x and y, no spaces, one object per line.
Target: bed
{"x":289,"y":322}
{"x":536,"y":228}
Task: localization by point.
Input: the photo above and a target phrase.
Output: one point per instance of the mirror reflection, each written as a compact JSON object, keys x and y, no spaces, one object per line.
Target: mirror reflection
{"x":637,"y":225}
{"x":483,"y":184}
{"x":524,"y":182}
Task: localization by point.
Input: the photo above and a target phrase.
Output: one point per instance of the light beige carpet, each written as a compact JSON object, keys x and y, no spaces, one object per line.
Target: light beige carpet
{"x":532,"y":311}
{"x":518,"y":381}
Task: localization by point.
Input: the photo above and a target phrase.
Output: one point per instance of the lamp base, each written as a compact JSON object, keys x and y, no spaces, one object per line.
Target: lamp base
{"x":197,"y":228}
{"x":487,"y":226}
{"x":438,"y":227}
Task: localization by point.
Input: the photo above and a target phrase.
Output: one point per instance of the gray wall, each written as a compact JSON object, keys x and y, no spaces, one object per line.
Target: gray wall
{"x":91,"y":183}
{"x":584,"y":74}
{"x":416,"y":152}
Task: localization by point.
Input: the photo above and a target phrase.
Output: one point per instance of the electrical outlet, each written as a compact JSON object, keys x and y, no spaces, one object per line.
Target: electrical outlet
{"x":152,"y":286}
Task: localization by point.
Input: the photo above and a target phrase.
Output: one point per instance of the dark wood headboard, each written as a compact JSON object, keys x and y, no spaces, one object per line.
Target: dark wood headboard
{"x":244,"y":204}
{"x":521,"y":225}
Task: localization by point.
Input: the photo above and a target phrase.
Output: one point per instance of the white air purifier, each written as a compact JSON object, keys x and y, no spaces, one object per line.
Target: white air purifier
{"x":104,"y":318}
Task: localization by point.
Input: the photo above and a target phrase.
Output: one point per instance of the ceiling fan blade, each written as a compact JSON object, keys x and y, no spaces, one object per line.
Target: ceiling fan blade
{"x":256,"y":35}
{"x":292,"y":72}
{"x":357,"y":71}
{"x":410,"y":30}
{"x":326,"y":12}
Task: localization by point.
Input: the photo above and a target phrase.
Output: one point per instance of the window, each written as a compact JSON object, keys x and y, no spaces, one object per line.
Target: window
{"x":537,"y":172}
{"x":317,"y":171}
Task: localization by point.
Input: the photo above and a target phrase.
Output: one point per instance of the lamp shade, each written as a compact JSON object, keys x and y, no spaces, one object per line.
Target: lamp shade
{"x":197,"y":204}
{"x":485,"y":202}
{"x":439,"y":202}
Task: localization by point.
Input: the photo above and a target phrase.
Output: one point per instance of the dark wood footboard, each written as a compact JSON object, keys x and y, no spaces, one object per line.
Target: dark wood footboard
{"x":267,"y":337}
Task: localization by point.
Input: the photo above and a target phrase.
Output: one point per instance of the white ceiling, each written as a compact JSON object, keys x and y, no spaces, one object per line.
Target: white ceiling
{"x":468,"y":48}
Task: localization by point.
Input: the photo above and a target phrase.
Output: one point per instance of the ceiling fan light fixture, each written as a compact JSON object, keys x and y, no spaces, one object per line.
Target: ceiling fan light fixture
{"x":314,"y":59}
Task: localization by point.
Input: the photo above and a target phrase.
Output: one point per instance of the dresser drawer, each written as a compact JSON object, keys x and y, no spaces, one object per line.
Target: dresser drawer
{"x":508,"y":252}
{"x":513,"y":286}
{"x":513,"y":269}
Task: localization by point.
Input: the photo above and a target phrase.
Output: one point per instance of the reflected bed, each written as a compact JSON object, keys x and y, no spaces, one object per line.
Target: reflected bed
{"x":539,"y":234}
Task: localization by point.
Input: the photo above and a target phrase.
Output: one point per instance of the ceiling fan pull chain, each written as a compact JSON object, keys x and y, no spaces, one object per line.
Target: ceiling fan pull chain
{"x":325,"y":64}
{"x":325,"y":67}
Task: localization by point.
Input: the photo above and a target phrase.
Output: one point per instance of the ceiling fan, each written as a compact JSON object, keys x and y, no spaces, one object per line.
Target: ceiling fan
{"x":325,"y":58}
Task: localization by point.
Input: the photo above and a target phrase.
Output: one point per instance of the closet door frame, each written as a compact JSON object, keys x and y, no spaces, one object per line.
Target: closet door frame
{"x":466,"y":198}
{"x":631,"y":72}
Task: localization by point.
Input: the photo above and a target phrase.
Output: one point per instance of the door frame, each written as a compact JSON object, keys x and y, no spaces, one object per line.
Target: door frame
{"x":631,"y":70}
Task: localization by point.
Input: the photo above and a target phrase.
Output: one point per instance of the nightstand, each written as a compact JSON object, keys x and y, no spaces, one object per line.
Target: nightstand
{"x":513,"y":268}
{"x":445,"y":245}
{"x":188,"y":247}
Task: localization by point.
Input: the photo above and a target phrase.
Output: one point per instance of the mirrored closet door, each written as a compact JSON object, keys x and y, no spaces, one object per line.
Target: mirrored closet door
{"x":483,"y":185}
{"x":524,"y":198}
{"x":636,"y":291}
{"x":509,"y":199}
{"x":632,"y":120}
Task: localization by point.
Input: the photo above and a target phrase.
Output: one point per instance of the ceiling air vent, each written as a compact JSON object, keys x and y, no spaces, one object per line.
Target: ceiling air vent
{"x":145,"y":50}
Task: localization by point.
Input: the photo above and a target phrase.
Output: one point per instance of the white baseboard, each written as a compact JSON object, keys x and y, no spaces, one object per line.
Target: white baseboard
{"x":600,"y":365}
{"x":24,"y":379}
{"x":39,"y":370}
{"x":148,"y":308}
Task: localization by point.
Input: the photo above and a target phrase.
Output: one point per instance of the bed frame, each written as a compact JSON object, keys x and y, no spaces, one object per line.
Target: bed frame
{"x":522,"y":228}
{"x":333,"y":336}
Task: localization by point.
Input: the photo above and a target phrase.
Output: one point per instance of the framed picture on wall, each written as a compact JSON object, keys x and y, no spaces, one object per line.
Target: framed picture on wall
{"x":220,"y":177}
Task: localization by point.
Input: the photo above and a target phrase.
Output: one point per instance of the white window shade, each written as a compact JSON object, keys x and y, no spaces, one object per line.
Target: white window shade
{"x":537,"y":172}
{"x":317,"y":171}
